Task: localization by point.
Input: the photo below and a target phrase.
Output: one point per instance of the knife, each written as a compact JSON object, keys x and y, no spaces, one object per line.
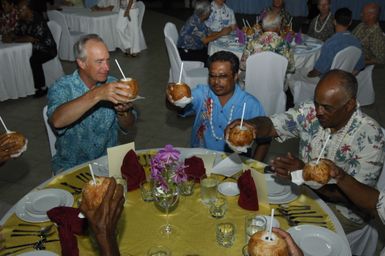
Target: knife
{"x":30,"y":244}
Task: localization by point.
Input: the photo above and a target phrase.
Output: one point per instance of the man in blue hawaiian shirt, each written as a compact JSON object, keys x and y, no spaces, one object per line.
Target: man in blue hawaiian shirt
{"x":221,"y":16}
{"x":353,"y":141}
{"x":87,"y":107}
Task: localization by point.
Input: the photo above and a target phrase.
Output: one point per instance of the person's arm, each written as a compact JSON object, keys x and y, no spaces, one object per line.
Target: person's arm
{"x":215,"y":35}
{"x":294,"y":250}
{"x":126,"y":116}
{"x":127,"y":11}
{"x":103,"y":220}
{"x":69,"y":112}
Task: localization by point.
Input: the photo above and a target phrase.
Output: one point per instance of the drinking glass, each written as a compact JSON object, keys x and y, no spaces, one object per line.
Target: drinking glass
{"x":225,"y":234}
{"x":208,"y":189}
{"x":146,"y":191}
{"x":159,"y":250}
{"x":166,"y":199}
{"x":218,"y":208}
{"x":253,"y":224}
{"x":186,"y":188}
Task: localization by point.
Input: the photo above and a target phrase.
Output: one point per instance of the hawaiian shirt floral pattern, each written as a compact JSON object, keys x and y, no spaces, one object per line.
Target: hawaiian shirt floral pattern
{"x":286,"y":18}
{"x":192,"y":33}
{"x":268,"y":41}
{"x":360,"y":153}
{"x":373,"y":41}
{"x":220,"y":17}
{"x":381,"y":206}
{"x":8,"y":22}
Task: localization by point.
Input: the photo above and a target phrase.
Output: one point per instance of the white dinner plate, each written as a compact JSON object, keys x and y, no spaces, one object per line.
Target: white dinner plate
{"x":38,"y":253}
{"x":228,"y":188}
{"x":318,"y":241}
{"x":280,"y":191}
{"x":275,"y":222}
{"x":33,"y":207}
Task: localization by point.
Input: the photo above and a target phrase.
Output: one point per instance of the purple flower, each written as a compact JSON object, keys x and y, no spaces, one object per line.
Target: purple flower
{"x":168,"y":154}
{"x":180,"y":175}
{"x":288,"y":37}
{"x":298,"y":38}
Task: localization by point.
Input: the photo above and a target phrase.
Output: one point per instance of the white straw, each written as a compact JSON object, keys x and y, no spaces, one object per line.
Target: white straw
{"x":121,"y":71}
{"x":248,"y":24}
{"x":244,"y":24}
{"x":271,"y":224}
{"x":180,"y":73}
{"x":323,"y":149}
{"x":5,"y":127}
{"x":243,"y":113}
{"x":92,"y":173}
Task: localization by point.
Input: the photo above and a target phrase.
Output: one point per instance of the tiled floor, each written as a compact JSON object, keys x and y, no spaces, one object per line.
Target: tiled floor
{"x":156,"y":125}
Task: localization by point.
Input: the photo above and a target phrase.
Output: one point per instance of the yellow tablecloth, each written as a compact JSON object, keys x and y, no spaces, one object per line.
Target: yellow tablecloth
{"x":140,"y":223}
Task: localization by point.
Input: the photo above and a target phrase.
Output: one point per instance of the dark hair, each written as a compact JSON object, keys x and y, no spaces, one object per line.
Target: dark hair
{"x":343,"y":16}
{"x":225,"y":56}
{"x":346,"y":80}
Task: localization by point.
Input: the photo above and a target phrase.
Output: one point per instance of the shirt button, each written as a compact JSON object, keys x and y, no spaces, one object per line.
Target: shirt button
{"x":220,"y":126}
{"x":221,"y":111}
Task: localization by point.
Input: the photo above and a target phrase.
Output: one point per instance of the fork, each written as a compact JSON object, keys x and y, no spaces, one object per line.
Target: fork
{"x":39,"y":234}
{"x":297,"y":222}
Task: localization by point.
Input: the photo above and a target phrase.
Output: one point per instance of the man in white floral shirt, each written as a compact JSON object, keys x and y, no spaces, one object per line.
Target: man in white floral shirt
{"x":354,"y":141}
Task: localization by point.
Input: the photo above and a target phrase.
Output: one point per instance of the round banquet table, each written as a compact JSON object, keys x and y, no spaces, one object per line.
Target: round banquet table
{"x":16,"y":78}
{"x":294,"y":7}
{"x":101,"y":23}
{"x":138,"y":228}
{"x":305,"y":54}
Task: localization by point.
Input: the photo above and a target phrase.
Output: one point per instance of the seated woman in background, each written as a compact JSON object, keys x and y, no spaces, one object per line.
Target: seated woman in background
{"x":321,"y":26}
{"x":278,"y":7}
{"x":8,"y":17}
{"x":195,"y":35}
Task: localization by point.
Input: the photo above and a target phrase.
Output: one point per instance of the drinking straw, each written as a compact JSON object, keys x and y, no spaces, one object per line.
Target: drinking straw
{"x":243,"y":113}
{"x":180,"y":73}
{"x":92,"y":173}
{"x":243,"y":20}
{"x":271,"y":224}
{"x":121,"y":71}
{"x":257,"y":19}
{"x":323,"y":149}
{"x":5,"y":127}
{"x":248,"y":24}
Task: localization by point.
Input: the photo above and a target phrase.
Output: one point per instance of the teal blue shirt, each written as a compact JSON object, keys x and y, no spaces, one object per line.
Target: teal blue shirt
{"x":90,"y":136}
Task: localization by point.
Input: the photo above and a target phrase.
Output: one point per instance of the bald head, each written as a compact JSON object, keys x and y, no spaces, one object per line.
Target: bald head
{"x":371,"y":13}
{"x":339,"y":81}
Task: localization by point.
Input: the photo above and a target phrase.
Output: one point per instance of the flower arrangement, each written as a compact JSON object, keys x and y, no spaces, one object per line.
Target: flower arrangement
{"x":167,"y":170}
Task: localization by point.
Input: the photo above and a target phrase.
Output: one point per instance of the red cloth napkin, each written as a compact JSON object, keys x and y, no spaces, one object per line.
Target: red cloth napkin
{"x":132,"y":171}
{"x":195,"y":168}
{"x":69,"y":224}
{"x":248,"y":198}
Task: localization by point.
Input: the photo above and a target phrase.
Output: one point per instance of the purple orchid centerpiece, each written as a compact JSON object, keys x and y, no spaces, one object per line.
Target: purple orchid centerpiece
{"x":298,"y":38}
{"x":167,"y":170}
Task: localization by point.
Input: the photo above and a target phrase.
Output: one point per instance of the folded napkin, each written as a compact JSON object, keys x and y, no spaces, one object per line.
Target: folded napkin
{"x":248,"y":198}
{"x":241,"y":36}
{"x":68,"y":224}
{"x":132,"y":171}
{"x":195,"y":168}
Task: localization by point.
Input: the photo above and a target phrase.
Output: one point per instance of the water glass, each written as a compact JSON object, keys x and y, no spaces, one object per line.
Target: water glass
{"x":159,"y":250}
{"x":186,"y":188}
{"x":208,"y":189}
{"x":146,"y":189}
{"x":253,"y":224}
{"x":218,"y":208}
{"x":225,"y":234}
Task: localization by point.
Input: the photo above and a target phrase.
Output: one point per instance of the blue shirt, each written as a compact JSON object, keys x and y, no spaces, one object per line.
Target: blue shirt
{"x":90,"y":136}
{"x":332,"y":46}
{"x":192,"y":33}
{"x":202,"y":135}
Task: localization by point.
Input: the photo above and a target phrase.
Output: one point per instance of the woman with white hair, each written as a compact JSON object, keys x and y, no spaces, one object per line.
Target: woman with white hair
{"x":321,"y":26}
{"x":195,"y":35}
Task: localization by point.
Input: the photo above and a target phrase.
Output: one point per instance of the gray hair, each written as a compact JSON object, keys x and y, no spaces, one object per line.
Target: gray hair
{"x":79,"y":46}
{"x":202,"y":7}
{"x":271,"y":21}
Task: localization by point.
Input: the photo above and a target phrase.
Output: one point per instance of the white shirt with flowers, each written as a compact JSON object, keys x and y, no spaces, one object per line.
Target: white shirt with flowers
{"x":358,"y":148}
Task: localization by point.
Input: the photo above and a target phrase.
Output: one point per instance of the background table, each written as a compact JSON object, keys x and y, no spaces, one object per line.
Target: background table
{"x":16,"y":78}
{"x":356,"y":6}
{"x":140,"y":222}
{"x":294,"y":7}
{"x":101,"y":23}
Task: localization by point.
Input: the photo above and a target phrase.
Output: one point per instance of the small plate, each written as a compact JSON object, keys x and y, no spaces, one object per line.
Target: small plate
{"x":33,"y":207}
{"x":38,"y":253}
{"x":228,"y":188}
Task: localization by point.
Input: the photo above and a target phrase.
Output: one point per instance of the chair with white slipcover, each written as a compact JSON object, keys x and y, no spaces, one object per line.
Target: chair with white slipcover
{"x":68,"y":37}
{"x":53,"y":68}
{"x":365,"y":93}
{"x":171,"y":31}
{"x":142,"y":8}
{"x":303,"y":87}
{"x":265,"y":76}
{"x":193,"y":71}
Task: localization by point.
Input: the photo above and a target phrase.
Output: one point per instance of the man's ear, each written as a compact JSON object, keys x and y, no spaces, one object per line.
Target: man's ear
{"x":81,"y":64}
{"x":352,"y":104}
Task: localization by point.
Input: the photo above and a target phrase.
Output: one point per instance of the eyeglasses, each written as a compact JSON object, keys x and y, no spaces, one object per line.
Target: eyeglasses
{"x":222,"y":77}
{"x":328,"y":108}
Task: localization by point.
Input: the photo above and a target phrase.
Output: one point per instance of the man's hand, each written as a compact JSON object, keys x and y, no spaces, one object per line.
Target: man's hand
{"x":294,"y":250}
{"x":7,"y":148}
{"x":115,"y":92}
{"x":284,"y":165}
{"x":238,"y":122}
{"x":225,"y":31}
{"x":168,"y":94}
{"x":124,"y":107}
{"x":335,"y":172}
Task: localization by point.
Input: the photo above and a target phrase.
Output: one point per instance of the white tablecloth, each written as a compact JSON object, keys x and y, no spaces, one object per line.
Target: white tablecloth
{"x":305,"y":55}
{"x":101,"y":23}
{"x":16,"y":78}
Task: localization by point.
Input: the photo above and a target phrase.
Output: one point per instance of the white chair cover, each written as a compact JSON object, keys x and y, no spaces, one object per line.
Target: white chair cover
{"x":265,"y":76}
{"x":303,"y":87}
{"x":53,"y":68}
{"x":142,"y":8}
{"x":171,"y":31}
{"x":50,"y":133}
{"x":193,"y":71}
{"x":68,"y":38}
{"x":365,"y":94}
